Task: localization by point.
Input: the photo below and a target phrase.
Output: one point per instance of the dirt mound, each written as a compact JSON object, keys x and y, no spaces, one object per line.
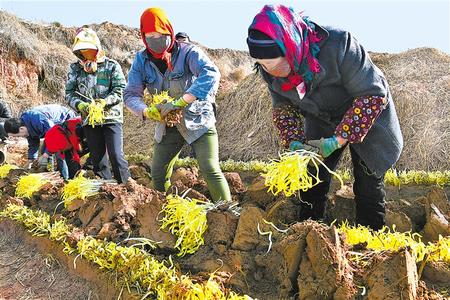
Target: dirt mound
{"x":395,"y":277}
{"x":32,"y":68}
{"x":258,"y":247}
{"x":324,"y":269}
{"x":420,"y":84}
{"x":233,"y":65}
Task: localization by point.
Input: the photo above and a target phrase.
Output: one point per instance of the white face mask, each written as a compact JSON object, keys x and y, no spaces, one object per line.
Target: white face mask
{"x":278,"y":67}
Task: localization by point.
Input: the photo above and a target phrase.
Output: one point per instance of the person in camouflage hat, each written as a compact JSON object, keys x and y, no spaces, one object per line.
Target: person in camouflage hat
{"x":97,"y":78}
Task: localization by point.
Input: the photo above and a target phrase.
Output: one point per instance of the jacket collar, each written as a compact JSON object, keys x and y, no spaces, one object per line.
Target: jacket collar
{"x":323,"y":33}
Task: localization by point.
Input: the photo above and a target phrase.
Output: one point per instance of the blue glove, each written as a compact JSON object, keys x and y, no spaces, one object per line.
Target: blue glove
{"x":297,"y":145}
{"x":326,"y":146}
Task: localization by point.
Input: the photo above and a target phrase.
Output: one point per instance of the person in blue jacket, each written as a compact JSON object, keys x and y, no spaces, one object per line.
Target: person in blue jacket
{"x":33,"y":124}
{"x":191,"y":78}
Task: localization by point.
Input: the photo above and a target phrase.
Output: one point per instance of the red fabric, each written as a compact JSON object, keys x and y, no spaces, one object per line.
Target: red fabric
{"x":63,"y":137}
{"x":155,"y":20}
{"x":293,"y":80}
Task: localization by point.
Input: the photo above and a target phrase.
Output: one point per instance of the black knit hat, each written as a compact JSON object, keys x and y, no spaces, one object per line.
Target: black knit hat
{"x":261,"y":46}
{"x":183,"y":35}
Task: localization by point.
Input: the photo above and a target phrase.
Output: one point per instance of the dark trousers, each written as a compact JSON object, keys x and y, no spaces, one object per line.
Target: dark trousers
{"x":107,"y":141}
{"x":368,"y":189}
{"x":68,"y":167}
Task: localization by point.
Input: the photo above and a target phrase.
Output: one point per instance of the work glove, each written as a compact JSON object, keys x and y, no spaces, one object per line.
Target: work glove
{"x":101,"y":101}
{"x":297,"y":145}
{"x":45,"y":163}
{"x":326,"y":146}
{"x":42,"y":162}
{"x":29,"y":164}
{"x":170,"y":106}
{"x":152,"y":112}
{"x":83,"y":108}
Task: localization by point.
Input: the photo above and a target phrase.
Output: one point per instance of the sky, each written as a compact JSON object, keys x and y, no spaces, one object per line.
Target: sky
{"x":382,"y":26}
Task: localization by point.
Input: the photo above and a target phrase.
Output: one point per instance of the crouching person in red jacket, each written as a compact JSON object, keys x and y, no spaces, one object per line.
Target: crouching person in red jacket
{"x":67,"y":140}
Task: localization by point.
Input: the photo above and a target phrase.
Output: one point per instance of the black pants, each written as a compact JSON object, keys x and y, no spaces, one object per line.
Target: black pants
{"x":368,"y":189}
{"x":68,"y":167}
{"x":107,"y":141}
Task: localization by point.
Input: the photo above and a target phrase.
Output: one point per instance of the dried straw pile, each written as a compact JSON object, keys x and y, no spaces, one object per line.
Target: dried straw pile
{"x":420,"y":84}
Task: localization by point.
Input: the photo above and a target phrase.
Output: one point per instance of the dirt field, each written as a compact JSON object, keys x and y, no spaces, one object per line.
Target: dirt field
{"x":308,"y":261}
{"x":25,"y":273}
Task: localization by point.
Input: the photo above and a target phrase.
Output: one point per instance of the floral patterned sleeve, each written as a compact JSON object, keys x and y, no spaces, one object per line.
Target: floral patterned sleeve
{"x":360,"y":117}
{"x":289,"y":123}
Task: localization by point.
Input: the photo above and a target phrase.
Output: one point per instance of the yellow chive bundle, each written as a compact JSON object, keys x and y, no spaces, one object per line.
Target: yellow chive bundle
{"x":79,"y":188}
{"x":4,"y":170}
{"x":144,"y":270}
{"x":28,"y":184}
{"x":134,"y":267}
{"x":59,"y":230}
{"x":440,"y":251}
{"x":387,"y":240}
{"x":37,"y":222}
{"x":186,"y":219}
{"x":397,"y":178}
{"x":186,"y":289}
{"x":289,"y":174}
{"x":156,"y":99}
{"x":162,"y":98}
{"x":173,"y":117}
{"x":96,"y":114}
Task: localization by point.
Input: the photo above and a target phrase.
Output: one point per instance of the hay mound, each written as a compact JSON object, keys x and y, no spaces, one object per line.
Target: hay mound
{"x":248,"y":110}
{"x":420,"y":84}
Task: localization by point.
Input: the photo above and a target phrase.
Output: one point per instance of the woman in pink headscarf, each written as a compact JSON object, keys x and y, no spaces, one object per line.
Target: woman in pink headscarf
{"x":327,"y":94}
